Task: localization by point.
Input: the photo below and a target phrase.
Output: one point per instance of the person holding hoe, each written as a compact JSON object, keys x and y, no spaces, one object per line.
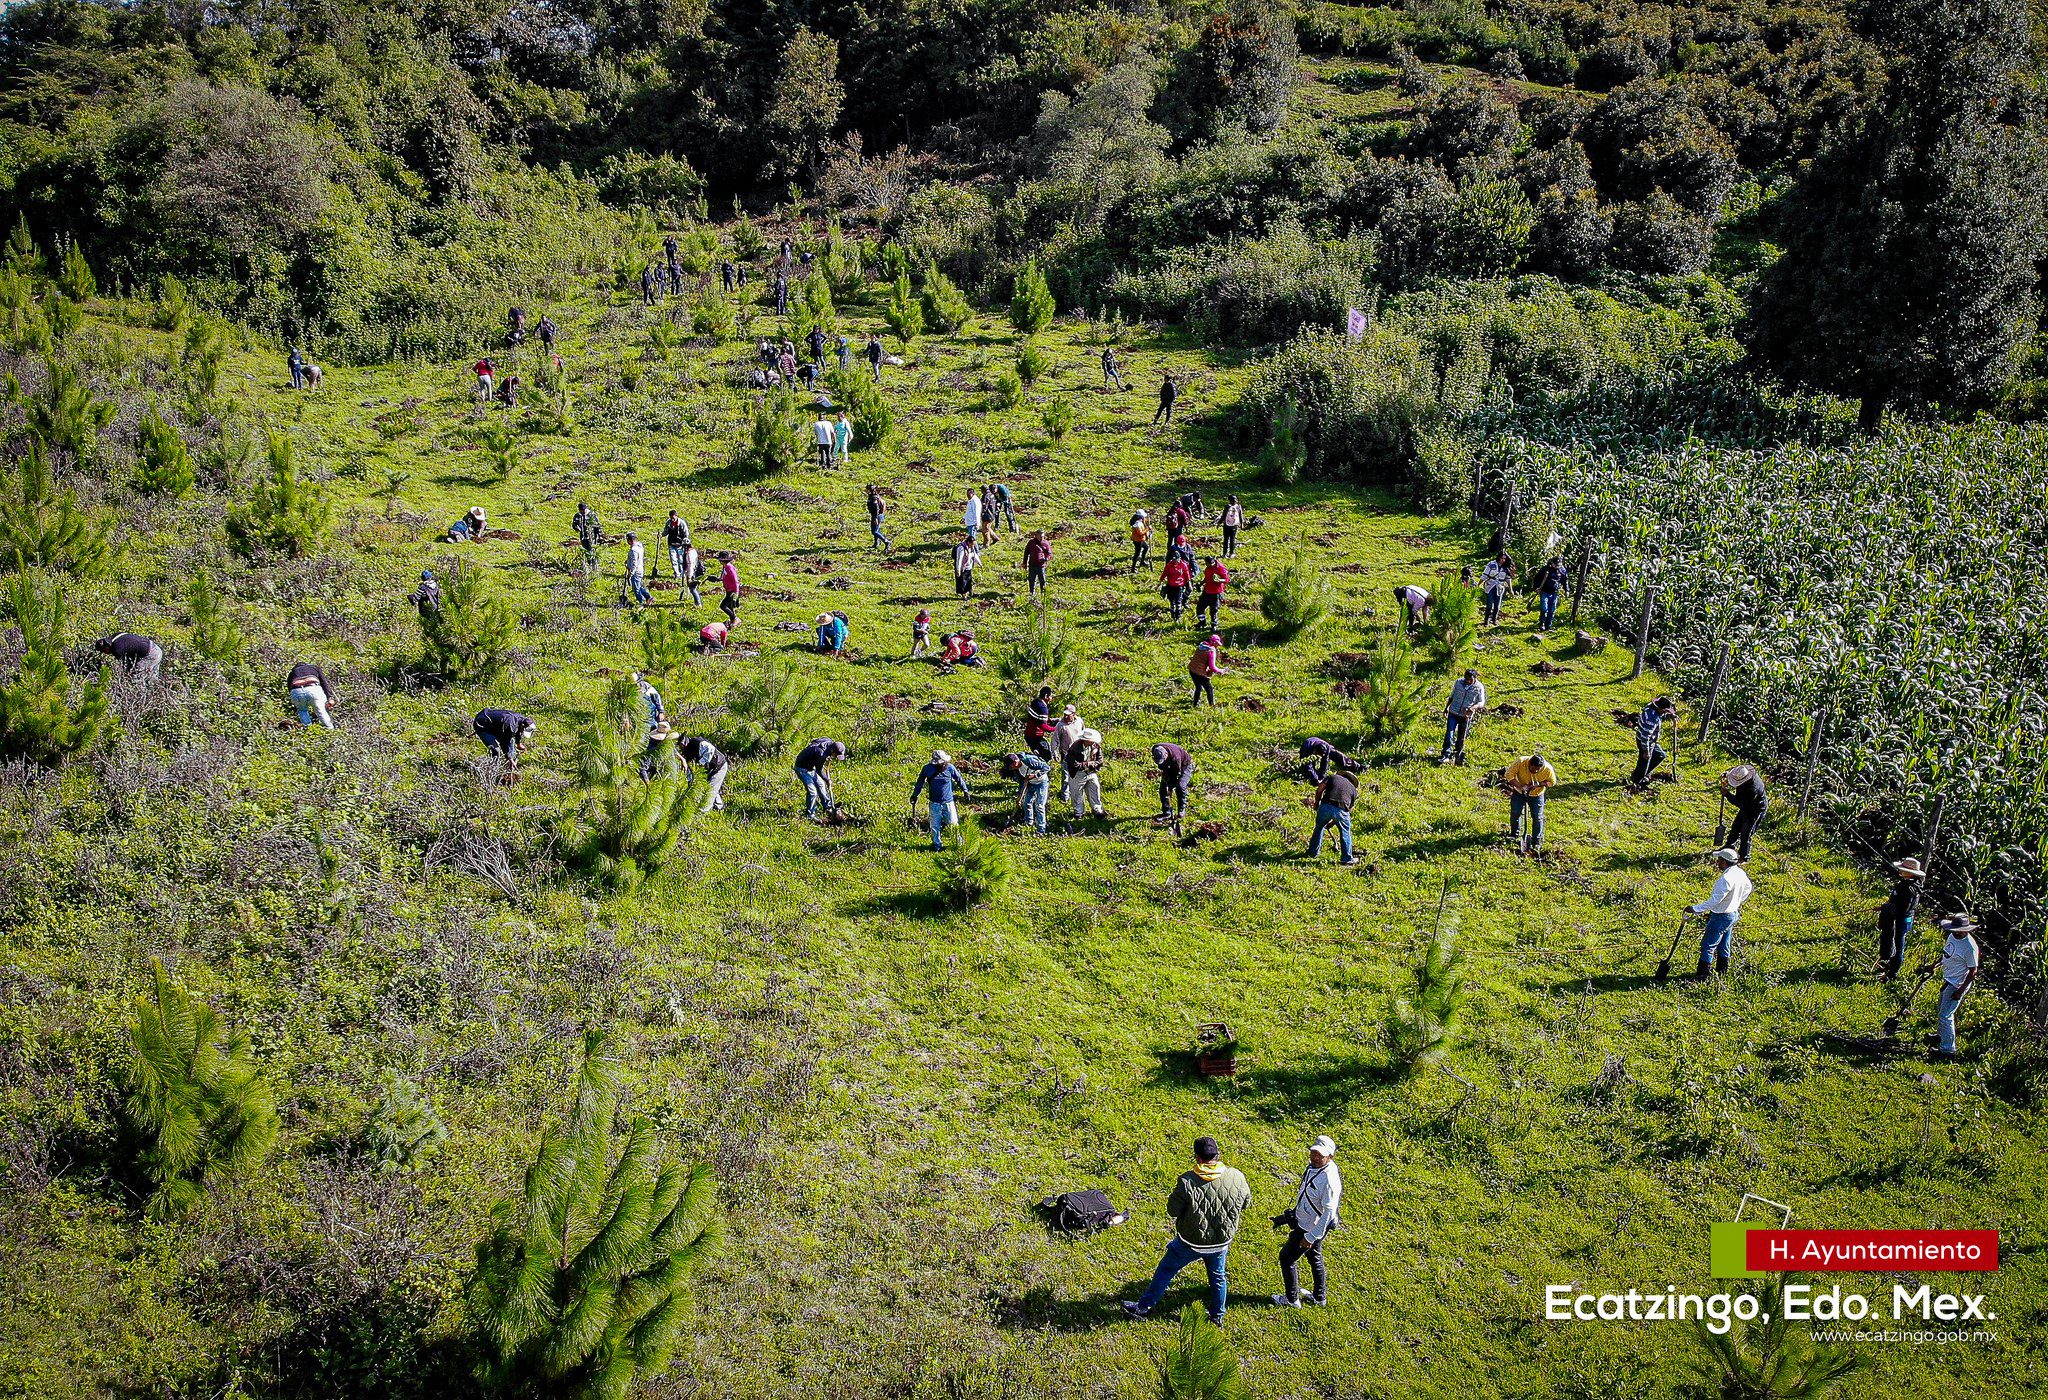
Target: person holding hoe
{"x":1960,"y":961}
{"x":1744,"y":786}
{"x":1649,"y":729}
{"x":1723,"y":907}
{"x":812,"y":770}
{"x":1204,"y":667}
{"x":1467,"y":699}
{"x":1335,"y":796}
{"x":1895,"y":916}
{"x":1206,"y":1207}
{"x":1176,"y":775}
{"x":1527,"y":780}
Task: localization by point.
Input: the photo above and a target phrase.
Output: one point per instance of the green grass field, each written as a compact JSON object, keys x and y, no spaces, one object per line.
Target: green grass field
{"x":885,"y":1084}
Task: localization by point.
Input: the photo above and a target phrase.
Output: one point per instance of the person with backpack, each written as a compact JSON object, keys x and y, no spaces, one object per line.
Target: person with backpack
{"x":427,"y":597}
{"x":1141,"y":541}
{"x":1895,"y":916}
{"x":1203,"y":668}
{"x":307,"y":689}
{"x":1112,"y":370}
{"x":1039,"y":723}
{"x":959,"y":649}
{"x":1177,"y":519}
{"x":878,"y":511}
{"x":1309,"y":1222}
{"x":505,"y":734}
{"x":140,"y":657}
{"x":1723,"y":907}
{"x":1033,"y":776}
{"x":675,"y":532}
{"x":1174,"y":581}
{"x":1320,"y":756}
{"x":693,"y":749}
{"x":1649,"y":730}
{"x":966,"y":555}
{"x":1336,"y":795}
{"x":1206,"y":1206}
{"x":1494,"y":584}
{"x":1232,"y":521}
{"x":1176,"y":775}
{"x":813,"y":770}
{"x":1745,"y":789}
{"x":729,"y":586}
{"x":872,"y":353}
{"x":1961,"y":960}
{"x":1550,"y":585}
{"x":636,"y":570}
{"x":921,"y":634}
{"x":832,"y":629}
{"x":1467,"y":699}
{"x":843,"y":352}
{"x":1083,"y":764}
{"x":1169,"y":395}
{"x":940,"y":780}
{"x":1037,"y":554}
{"x":1527,"y":781}
{"x":1215,"y":578}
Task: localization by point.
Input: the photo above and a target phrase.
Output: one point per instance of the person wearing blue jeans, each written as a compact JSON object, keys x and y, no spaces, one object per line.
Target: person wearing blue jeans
{"x":636,"y":570}
{"x":1723,"y":907}
{"x":812,"y":772}
{"x":939,"y":780}
{"x":1960,"y":959}
{"x":1206,"y":1207}
{"x":1335,"y":796}
{"x":1468,"y":698}
{"x":1034,"y":786}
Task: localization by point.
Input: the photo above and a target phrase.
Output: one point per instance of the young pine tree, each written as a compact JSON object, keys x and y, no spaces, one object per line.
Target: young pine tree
{"x":1421,"y":1023}
{"x":872,"y":418}
{"x":623,"y":826}
{"x":973,"y":869}
{"x":770,"y":708}
{"x":39,"y":719}
{"x":468,"y":636}
{"x":583,"y":1285}
{"x":67,"y":419}
{"x":23,"y":258}
{"x":1297,"y":598}
{"x":777,"y":441}
{"x":1392,"y":699}
{"x":165,"y":464}
{"x":284,"y":513}
{"x":1774,"y":1356}
{"x":1285,"y":455}
{"x":40,"y":524}
{"x":665,"y":642}
{"x":194,"y":1096}
{"x":1448,"y":636}
{"x":499,"y":444}
{"x":904,"y":313}
{"x":75,"y":279}
{"x":215,"y":634}
{"x":1031,"y":303}
{"x":1201,"y":1365}
{"x":946,"y":309}
{"x":1043,"y":651}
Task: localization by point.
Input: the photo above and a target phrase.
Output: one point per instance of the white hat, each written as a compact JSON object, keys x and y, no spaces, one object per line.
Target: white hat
{"x":941,"y":756}
{"x":1091,"y":736}
{"x":1727,"y":856}
{"x":1324,"y":1145}
{"x":1738,"y":775}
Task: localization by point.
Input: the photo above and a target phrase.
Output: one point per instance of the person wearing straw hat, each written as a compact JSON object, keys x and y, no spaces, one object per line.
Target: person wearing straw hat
{"x":831,"y":633}
{"x":1308,"y":1222}
{"x":656,"y":711}
{"x":1723,"y":907}
{"x":1895,"y":916}
{"x":657,"y":755}
{"x":1745,"y":788}
{"x":1960,"y":961}
{"x":939,"y":780}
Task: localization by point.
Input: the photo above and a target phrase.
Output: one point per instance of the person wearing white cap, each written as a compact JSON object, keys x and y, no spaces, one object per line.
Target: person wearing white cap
{"x":1895,"y":916}
{"x":1960,"y":959}
{"x":1313,"y":1216}
{"x":1141,"y":540}
{"x":939,"y":779}
{"x":1723,"y":906}
{"x":1745,"y":788}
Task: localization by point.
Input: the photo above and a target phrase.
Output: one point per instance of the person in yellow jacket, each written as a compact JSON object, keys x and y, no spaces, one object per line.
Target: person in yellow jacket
{"x":1527,"y":780}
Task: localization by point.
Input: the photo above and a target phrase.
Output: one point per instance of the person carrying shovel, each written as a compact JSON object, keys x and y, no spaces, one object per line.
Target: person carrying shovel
{"x":1960,"y":961}
{"x":1722,"y":907}
{"x":1033,"y":776}
{"x":1895,"y":917}
{"x":1527,"y":780}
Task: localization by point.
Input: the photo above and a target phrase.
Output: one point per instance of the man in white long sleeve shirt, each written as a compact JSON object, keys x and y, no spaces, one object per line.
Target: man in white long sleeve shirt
{"x":1722,"y":907}
{"x":1313,"y":1216}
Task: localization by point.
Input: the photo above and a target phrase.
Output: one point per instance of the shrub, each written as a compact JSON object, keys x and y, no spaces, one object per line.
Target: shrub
{"x":946,"y":309}
{"x":904,"y":313}
{"x":1032,"y":364}
{"x":67,"y":418}
{"x":770,"y":708}
{"x":283,"y":512}
{"x":1392,"y":699}
{"x":75,"y":279}
{"x":468,"y":636}
{"x":165,"y":466}
{"x":747,"y":239}
{"x":172,"y":305}
{"x":39,"y":721}
{"x":866,"y":408}
{"x":404,"y":1132}
{"x":1031,"y":303}
{"x":193,"y":1095}
{"x":200,"y":356}
{"x":777,"y":441}
{"x":1283,"y":456}
{"x":1006,"y":390}
{"x":215,"y":635}
{"x":23,"y":257}
{"x":712,"y":316}
{"x":814,"y":306}
{"x":1453,"y":626}
{"x":1297,"y":598}
{"x":499,"y":443}
{"x":973,"y":869}
{"x":1044,"y":650}
{"x":665,"y":642}
{"x":1359,"y":403}
{"x":623,"y":827}
{"x":582,"y":1286}
{"x":1200,"y":1365}
{"x":1058,"y":418}
{"x":1420,"y":1024}
{"x":42,"y":525}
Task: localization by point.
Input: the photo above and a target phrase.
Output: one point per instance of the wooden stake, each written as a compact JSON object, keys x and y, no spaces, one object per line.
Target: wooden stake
{"x":1643,"y":630}
{"x":1929,"y":840}
{"x":1714,"y":689}
{"x":1820,"y":729}
{"x":1579,"y":583}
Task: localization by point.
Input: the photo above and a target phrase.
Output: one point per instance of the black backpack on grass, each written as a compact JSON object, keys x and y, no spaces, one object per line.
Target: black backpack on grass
{"x":1079,"y":1214}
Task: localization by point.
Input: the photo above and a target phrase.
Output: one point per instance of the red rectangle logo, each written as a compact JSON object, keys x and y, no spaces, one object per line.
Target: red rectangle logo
{"x":1872,"y":1251}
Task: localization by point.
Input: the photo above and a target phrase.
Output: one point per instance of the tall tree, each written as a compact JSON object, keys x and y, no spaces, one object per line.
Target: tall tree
{"x":1911,"y":241}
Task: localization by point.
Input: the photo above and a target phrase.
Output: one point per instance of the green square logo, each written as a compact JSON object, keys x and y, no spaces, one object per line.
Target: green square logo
{"x":1728,"y":1250}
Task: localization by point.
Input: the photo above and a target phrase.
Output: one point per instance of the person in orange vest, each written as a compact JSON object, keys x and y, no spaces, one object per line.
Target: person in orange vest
{"x":1141,"y":541}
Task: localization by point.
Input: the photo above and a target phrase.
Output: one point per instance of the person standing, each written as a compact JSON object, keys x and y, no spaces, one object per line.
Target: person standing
{"x":1895,"y":916}
{"x":966,"y":555}
{"x":1169,"y":395}
{"x":139,"y":656}
{"x":484,"y":385}
{"x":545,"y":328}
{"x":1960,"y":961}
{"x":1174,"y":581}
{"x":878,"y":511}
{"x":1550,"y":585}
{"x":693,"y":749}
{"x":1723,"y":907}
{"x":1215,"y":578}
{"x":307,"y":689}
{"x":1039,"y":723}
{"x":1112,"y":369}
{"x":813,"y":771}
{"x":1494,"y":584}
{"x":505,"y":734}
{"x":1037,"y":554}
{"x":1745,"y":788}
{"x":1083,"y":765}
{"x":921,"y":633}
{"x":842,"y":438}
{"x":1176,"y":775}
{"x":675,"y":270}
{"x":650,"y":697}
{"x":1336,"y":795}
{"x":1206,"y":1207}
{"x":1141,"y":541}
{"x":1414,"y":603}
{"x":729,"y":585}
{"x":693,"y":574}
{"x":970,"y":515}
{"x":872,"y":352}
{"x":1528,"y":780}
{"x":1649,"y":729}
{"x":844,"y":352}
{"x":647,"y":285}
{"x":1033,"y":776}
{"x":1233,"y":521}
{"x":675,"y":532}
{"x":1203,"y":668}
{"x":1467,"y":699}
{"x":939,"y":780}
{"x":991,"y":516}
{"x":825,"y":435}
{"x":815,"y":343}
{"x":1312,"y":1218}
{"x":636,"y":570}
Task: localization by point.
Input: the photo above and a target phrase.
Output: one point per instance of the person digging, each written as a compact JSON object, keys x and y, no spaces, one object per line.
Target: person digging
{"x":1176,"y":774}
{"x":1527,"y":781}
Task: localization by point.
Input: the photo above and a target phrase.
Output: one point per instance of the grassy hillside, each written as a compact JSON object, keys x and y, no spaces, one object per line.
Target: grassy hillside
{"x":885,"y":1085}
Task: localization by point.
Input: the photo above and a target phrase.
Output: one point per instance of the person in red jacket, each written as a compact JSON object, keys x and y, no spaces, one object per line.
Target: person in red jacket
{"x":1215,"y":578}
{"x":1204,"y":666}
{"x":1174,"y":581}
{"x":1037,"y":554}
{"x":729,"y":582}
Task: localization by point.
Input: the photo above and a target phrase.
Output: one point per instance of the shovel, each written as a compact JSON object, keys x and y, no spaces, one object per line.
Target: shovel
{"x":1891,"y":1022}
{"x":1664,"y":968}
{"x":1721,"y":821}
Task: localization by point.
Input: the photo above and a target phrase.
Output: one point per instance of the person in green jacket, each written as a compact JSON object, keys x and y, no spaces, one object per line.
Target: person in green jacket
{"x":1206,"y":1205}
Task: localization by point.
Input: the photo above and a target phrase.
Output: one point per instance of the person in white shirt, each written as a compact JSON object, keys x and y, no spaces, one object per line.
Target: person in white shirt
{"x":1722,"y":907}
{"x":970,"y":518}
{"x":636,"y":571}
{"x":966,"y":555}
{"x":1494,"y":583}
{"x":1960,"y":959}
{"x":1313,"y":1217}
{"x":825,"y":433}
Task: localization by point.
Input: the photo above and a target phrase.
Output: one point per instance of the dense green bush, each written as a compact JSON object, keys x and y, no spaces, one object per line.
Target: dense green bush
{"x":40,"y":719}
{"x":867,"y":408}
{"x":215,"y":633}
{"x":946,"y":309}
{"x":1256,"y":291}
{"x":1296,"y":598}
{"x":164,"y":465}
{"x":42,"y":525}
{"x":973,"y":869}
{"x":1392,"y":699}
{"x":468,"y":637}
{"x":284,"y":513}
{"x":776,"y":441}
{"x":904,"y":312}
{"x":1031,"y":304}
{"x":772,"y":707}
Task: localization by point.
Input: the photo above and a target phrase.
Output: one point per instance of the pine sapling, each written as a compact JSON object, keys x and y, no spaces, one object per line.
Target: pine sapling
{"x":1392,"y":699}
{"x":469,"y":636}
{"x":42,"y":525}
{"x":215,"y":634}
{"x":946,"y":309}
{"x":39,"y":719}
{"x":626,"y":820}
{"x":284,"y":513}
{"x":164,"y":463}
{"x":1031,"y":303}
{"x":1421,"y":1023}
{"x":1201,"y":1365}
{"x":67,"y":419}
{"x":973,"y":869}
{"x":904,"y":313}
{"x":75,"y":278}
{"x":1296,"y":598}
